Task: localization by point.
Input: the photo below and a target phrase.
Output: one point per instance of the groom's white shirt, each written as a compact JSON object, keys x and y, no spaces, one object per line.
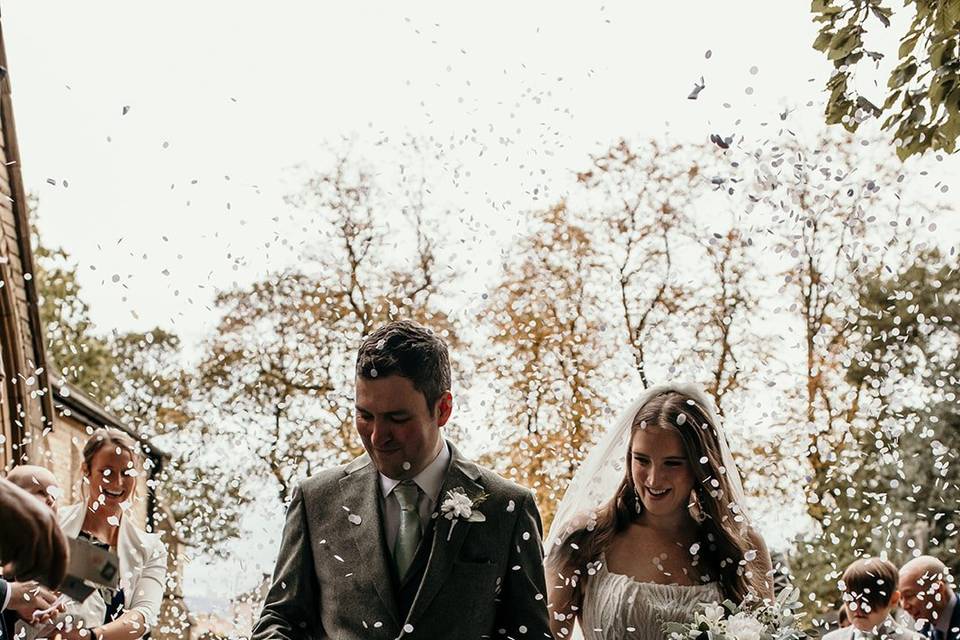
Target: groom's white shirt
{"x":430,"y":481}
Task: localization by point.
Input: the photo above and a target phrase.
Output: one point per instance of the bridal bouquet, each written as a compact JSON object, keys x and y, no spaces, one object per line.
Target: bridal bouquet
{"x":753,"y":620}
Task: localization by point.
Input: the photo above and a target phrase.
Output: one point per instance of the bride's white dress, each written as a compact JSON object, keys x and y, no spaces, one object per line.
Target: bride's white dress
{"x":614,"y":606}
{"x":617,"y":607}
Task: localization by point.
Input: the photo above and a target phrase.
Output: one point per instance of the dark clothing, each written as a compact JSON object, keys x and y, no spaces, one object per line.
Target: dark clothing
{"x":932,"y":633}
{"x":479,"y":579}
{"x":407,"y":588}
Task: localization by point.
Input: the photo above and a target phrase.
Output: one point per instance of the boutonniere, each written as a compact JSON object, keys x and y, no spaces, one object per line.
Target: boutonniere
{"x":459,"y":506}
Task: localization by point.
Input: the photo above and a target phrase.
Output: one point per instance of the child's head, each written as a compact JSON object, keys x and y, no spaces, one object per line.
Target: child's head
{"x":869,"y":587}
{"x":843,"y":620}
{"x":36,"y":481}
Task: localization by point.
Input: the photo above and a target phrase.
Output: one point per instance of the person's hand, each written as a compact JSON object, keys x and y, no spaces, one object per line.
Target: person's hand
{"x":30,"y":537}
{"x":29,"y":599}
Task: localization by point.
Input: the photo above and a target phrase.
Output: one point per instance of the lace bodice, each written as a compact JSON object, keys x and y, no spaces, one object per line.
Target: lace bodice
{"x":617,"y":607}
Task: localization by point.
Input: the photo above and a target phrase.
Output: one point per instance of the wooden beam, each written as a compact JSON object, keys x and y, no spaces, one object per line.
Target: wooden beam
{"x":21,"y":217}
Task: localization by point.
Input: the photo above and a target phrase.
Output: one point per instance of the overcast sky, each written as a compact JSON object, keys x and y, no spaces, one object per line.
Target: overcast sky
{"x":183,"y":193}
{"x":234,"y":97}
{"x":229,"y":103}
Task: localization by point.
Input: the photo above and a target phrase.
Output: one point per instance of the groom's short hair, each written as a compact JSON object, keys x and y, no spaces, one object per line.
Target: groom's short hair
{"x":410,"y":350}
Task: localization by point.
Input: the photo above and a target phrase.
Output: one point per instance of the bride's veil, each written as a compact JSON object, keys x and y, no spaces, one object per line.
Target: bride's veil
{"x":601,"y":472}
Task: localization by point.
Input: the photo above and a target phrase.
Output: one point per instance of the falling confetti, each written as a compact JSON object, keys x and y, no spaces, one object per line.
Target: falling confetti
{"x":697,"y":88}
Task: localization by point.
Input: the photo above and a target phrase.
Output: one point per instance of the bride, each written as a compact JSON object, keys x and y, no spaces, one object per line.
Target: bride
{"x":623,"y":559}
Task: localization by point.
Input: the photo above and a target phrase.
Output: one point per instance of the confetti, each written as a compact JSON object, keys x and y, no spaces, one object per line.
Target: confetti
{"x":697,"y":88}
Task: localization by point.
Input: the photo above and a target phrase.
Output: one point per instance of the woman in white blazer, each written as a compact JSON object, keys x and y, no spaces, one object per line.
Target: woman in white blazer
{"x":110,"y":471}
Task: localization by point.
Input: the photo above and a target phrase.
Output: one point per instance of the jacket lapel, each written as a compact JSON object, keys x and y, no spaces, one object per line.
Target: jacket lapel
{"x":448,"y":536}
{"x":71,"y":519}
{"x":954,"y":619}
{"x":131,"y":547}
{"x":359,"y":488}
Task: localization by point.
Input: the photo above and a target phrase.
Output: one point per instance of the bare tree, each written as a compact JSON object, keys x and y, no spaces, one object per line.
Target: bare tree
{"x":639,"y":198}
{"x":279,"y":368}
{"x":732,"y":351}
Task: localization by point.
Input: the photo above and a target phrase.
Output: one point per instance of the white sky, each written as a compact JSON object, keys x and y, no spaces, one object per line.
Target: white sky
{"x":236,"y":95}
{"x":236,"y":91}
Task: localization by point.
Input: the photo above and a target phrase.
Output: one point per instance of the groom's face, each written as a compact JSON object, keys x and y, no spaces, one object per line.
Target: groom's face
{"x":398,"y":430}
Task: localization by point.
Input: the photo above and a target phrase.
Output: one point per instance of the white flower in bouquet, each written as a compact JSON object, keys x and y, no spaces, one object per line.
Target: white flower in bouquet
{"x":752,"y":619}
{"x":712,"y":614}
{"x":743,"y":626}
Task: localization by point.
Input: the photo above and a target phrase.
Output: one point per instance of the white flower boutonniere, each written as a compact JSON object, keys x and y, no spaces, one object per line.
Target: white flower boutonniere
{"x":459,"y":506}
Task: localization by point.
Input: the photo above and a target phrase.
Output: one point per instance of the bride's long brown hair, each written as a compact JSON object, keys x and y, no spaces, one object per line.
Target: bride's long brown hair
{"x":725,"y":534}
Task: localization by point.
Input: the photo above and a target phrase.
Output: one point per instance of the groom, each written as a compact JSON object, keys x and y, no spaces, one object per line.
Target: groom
{"x":411,"y":540}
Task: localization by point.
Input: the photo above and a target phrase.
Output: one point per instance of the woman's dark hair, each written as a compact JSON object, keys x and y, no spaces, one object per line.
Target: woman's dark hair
{"x":870,"y":581}
{"x":725,"y":536}
{"x":409,"y":350}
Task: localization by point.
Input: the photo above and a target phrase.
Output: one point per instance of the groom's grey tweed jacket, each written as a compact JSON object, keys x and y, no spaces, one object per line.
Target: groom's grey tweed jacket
{"x":333,"y":577}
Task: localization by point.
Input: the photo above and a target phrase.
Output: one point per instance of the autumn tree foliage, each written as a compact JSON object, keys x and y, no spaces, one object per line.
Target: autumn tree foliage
{"x":845,"y":230}
{"x":550,"y":357}
{"x":617,"y":292}
{"x":799,"y":282}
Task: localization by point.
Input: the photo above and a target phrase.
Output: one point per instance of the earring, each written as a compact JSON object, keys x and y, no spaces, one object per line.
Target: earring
{"x":696,"y":510}
{"x":637,"y":505}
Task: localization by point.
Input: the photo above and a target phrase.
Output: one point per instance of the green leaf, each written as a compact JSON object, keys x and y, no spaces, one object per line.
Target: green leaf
{"x":866,"y":105}
{"x":941,"y":53}
{"x":844,"y":43}
{"x":823,"y":40}
{"x":949,"y":132}
{"x":923,"y":11}
{"x":838,"y":43}
{"x":882,"y":13}
{"x":835,"y":113}
{"x":853,"y":58}
{"x":838,"y":81}
{"x":909,"y":43}
{"x":952,"y":103}
{"x":824,"y":7}
{"x":902,"y":74}
{"x":952,"y":13}
{"x":918,"y":114}
{"x":891,"y":99}
{"x":939,"y":89}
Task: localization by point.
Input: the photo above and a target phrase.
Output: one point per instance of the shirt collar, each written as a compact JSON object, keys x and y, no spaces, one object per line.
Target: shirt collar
{"x":430,"y":480}
{"x":887,"y":628}
{"x":883,"y":627}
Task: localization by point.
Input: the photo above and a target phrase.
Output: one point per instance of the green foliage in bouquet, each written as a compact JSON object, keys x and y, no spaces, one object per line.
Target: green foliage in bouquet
{"x":754,"y":619}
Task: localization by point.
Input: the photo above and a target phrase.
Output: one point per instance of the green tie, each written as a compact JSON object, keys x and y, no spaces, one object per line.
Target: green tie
{"x":408,"y":536}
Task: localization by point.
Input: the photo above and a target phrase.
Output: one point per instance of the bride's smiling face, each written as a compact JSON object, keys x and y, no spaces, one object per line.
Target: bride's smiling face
{"x":661,"y":471}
